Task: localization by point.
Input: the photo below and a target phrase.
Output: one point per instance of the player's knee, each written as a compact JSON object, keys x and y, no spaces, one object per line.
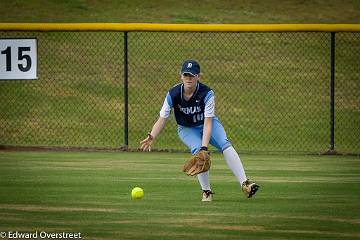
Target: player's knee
{"x":226,"y":144}
{"x":226,"y":147}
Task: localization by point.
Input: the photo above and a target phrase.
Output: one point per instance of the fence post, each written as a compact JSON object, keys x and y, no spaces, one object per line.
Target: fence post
{"x":332,"y":94}
{"x":126,"y":98}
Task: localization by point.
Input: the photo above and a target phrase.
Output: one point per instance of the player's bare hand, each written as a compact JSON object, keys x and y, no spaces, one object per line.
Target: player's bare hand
{"x":146,"y":143}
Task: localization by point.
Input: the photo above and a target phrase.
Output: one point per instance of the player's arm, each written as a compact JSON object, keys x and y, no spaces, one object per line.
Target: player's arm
{"x":207,"y":131}
{"x":209,"y":113}
{"x":159,"y":124}
{"x":156,"y":129}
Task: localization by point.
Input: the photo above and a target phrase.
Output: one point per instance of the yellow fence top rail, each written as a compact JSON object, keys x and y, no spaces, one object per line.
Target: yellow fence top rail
{"x":159,"y":27}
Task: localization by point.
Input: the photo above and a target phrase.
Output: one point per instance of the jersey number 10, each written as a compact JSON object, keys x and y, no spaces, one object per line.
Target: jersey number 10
{"x":198,"y":117}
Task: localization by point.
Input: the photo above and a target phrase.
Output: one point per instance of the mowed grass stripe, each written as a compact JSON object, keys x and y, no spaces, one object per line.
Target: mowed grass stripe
{"x":301,"y":197}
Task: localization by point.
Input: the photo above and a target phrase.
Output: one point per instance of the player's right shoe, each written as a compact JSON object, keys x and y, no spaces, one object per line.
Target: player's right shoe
{"x":207,"y":196}
{"x":249,"y":188}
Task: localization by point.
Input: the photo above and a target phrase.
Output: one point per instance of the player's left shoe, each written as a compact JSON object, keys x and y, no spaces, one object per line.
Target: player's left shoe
{"x":207,"y":196}
{"x":249,"y":188}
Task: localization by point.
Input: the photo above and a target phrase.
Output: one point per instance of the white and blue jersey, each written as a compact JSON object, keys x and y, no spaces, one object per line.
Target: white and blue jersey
{"x":190,"y":114}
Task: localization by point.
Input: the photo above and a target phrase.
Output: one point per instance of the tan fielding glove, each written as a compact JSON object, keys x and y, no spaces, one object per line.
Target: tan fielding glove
{"x":199,"y":163}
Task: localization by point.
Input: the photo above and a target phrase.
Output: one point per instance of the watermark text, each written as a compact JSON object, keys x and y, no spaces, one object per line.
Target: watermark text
{"x":39,"y":235}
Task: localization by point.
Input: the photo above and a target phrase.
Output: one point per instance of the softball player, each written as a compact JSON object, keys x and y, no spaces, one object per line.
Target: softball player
{"x":194,"y":108}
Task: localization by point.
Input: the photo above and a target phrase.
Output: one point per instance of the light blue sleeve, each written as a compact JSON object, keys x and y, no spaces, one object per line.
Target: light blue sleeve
{"x":169,"y":100}
{"x":209,"y":104}
{"x":167,"y":106}
{"x":209,"y":95}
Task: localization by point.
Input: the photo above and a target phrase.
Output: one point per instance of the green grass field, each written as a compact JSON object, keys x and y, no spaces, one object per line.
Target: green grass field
{"x":186,"y":11}
{"x":301,"y":197}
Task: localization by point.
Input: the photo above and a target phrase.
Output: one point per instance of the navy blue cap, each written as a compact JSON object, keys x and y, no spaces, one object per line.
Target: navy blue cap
{"x":190,"y":66}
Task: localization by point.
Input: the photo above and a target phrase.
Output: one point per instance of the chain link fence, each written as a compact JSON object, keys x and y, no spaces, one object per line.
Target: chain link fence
{"x":76,"y":100}
{"x":272,"y":89}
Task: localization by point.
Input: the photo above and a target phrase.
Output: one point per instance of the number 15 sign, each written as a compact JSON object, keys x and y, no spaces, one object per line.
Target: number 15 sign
{"x":18,"y":59}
